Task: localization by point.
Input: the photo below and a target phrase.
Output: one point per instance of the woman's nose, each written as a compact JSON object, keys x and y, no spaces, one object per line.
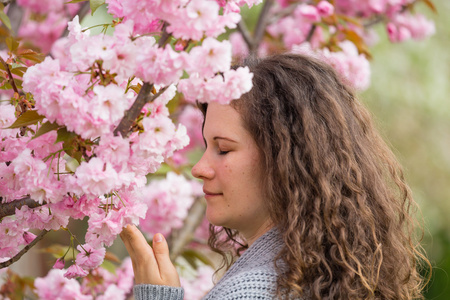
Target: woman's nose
{"x":202,"y":169}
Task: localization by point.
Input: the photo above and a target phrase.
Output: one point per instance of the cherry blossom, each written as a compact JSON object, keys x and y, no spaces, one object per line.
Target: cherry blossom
{"x":195,"y":287}
{"x":56,"y":286}
{"x":89,"y":258}
{"x":169,"y":200}
{"x":59,"y":264}
{"x":75,"y":271}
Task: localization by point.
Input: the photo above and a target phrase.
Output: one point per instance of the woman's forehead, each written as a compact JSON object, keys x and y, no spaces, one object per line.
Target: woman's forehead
{"x":223,"y":120}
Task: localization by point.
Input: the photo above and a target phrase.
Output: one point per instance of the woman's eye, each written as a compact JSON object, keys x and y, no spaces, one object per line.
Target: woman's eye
{"x":223,"y":152}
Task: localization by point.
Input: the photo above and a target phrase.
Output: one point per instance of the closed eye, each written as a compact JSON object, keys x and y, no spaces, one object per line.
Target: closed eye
{"x":223,"y":152}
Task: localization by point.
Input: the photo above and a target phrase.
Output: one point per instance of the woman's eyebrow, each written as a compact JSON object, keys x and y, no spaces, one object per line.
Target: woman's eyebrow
{"x":223,"y":138}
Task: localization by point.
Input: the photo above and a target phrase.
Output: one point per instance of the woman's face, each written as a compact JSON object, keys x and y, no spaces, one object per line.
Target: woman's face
{"x":231,"y":172}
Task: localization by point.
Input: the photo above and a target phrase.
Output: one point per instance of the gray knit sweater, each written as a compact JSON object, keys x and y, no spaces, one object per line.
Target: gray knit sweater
{"x":252,"y":276}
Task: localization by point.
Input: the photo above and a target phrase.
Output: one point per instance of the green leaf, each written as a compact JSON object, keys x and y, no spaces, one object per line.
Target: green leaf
{"x":64,"y":135}
{"x":191,"y":255}
{"x":68,"y":138}
{"x":76,"y":1}
{"x":30,"y":117}
{"x":163,"y":170}
{"x":430,"y":5}
{"x":95,"y":4}
{"x":109,"y":266}
{"x":12,"y":43}
{"x":71,"y":163}
{"x":5,"y":19}
{"x":58,"y":250}
{"x":46,"y":127}
{"x":33,"y":57}
{"x":19,"y":71}
{"x":18,"y":83}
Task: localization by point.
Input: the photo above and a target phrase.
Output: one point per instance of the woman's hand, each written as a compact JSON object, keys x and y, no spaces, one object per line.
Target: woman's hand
{"x":150,"y":266}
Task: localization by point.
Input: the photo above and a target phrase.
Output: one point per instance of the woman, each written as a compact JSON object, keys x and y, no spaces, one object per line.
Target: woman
{"x":296,"y":168}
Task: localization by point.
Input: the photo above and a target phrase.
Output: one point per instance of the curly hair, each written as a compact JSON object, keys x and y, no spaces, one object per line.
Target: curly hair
{"x":334,"y":189}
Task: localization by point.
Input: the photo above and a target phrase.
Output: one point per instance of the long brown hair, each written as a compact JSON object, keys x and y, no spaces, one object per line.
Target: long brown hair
{"x":334,"y":189}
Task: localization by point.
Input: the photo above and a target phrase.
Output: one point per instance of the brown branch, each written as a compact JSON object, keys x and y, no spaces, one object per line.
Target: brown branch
{"x":134,"y":111}
{"x":6,"y":2}
{"x":143,"y":97}
{"x":164,"y":36}
{"x":373,"y":22}
{"x":311,"y":33}
{"x":282,"y":13}
{"x":245,"y":34}
{"x":9,"y":209}
{"x":11,"y":78}
{"x":23,"y":251}
{"x":181,"y":237}
{"x":82,"y":11}
{"x":15,"y":15}
{"x":260,"y":26}
{"x":380,"y":18}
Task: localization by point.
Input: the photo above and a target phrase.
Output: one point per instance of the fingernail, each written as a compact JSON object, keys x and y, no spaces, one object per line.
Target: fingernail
{"x":158,"y":237}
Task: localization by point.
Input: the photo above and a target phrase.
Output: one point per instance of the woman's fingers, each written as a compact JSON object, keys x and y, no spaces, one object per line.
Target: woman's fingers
{"x":151,"y":266}
{"x":166,"y":268}
{"x":144,"y":263}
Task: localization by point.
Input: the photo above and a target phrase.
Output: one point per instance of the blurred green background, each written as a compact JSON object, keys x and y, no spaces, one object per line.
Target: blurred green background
{"x":409,"y":98}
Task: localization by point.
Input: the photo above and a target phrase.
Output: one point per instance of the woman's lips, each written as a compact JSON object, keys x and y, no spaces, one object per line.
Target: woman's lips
{"x":209,"y":194}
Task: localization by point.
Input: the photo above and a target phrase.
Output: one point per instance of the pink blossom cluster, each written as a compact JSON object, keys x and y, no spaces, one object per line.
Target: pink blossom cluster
{"x":168,"y":200}
{"x":56,"y":286}
{"x":126,"y":55}
{"x":352,"y":66}
{"x":7,"y":118}
{"x":295,"y":28}
{"x":406,"y":26}
{"x":66,"y":99}
{"x":186,"y":19}
{"x":402,"y":24}
{"x":101,"y":285}
{"x":368,"y":8}
{"x":44,"y":21}
{"x":105,"y":185}
{"x":196,"y":286}
{"x":14,"y":231}
{"x":192,"y":118}
{"x":221,"y":88}
{"x":23,"y":170}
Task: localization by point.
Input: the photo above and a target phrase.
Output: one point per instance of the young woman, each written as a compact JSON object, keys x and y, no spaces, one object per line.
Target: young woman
{"x":297,"y":170}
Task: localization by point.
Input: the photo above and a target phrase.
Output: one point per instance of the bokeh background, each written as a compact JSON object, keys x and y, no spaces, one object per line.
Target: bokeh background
{"x":410,"y":100}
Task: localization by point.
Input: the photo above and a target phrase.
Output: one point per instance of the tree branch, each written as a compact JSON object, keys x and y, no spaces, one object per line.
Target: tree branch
{"x":245,"y":34}
{"x":282,"y":13}
{"x":23,"y":251}
{"x":11,"y":78}
{"x":164,"y":36}
{"x":260,"y":26}
{"x":142,"y":98}
{"x":181,"y":237}
{"x":9,"y":209}
{"x":15,"y":15}
{"x":311,"y":33}
{"x":82,"y":11}
{"x":134,"y":111}
{"x":6,"y":2}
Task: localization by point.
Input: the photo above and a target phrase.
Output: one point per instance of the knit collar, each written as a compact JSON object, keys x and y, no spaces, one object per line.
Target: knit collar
{"x":262,"y":251}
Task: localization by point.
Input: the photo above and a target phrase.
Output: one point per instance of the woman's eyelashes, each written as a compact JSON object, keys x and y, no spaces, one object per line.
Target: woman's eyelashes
{"x":221,"y":152}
